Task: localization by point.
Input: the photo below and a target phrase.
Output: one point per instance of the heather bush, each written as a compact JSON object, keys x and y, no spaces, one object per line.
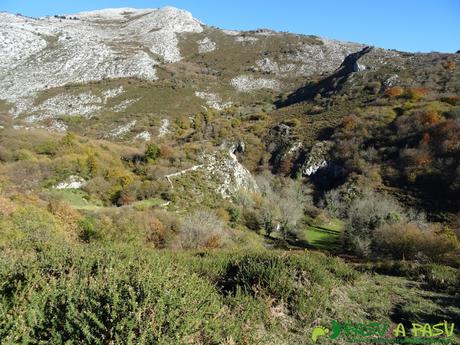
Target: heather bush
{"x":101,"y":296}
{"x":93,"y":294}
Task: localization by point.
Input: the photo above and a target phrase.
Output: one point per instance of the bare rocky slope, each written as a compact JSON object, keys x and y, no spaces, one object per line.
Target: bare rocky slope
{"x":49,"y":66}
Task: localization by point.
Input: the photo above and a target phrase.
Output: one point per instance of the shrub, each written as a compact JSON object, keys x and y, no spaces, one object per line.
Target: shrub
{"x":66,"y":214}
{"x":152,"y":152}
{"x":99,"y":188}
{"x":431,"y":118}
{"x":92,"y":164}
{"x":286,"y":166}
{"x":452,"y":100}
{"x":252,"y":220}
{"x":24,"y":155}
{"x":373,"y":87}
{"x":49,"y":147}
{"x":69,"y":139}
{"x":290,"y":280}
{"x":201,"y":228}
{"x":453,"y":114}
{"x":395,"y":91}
{"x":292,"y":122}
{"x":88,"y":295}
{"x":157,"y":233}
{"x":408,"y":241}
{"x":349,"y":122}
{"x":31,"y":224}
{"x":171,"y":222}
{"x":449,"y":65}
{"x":334,"y":203}
{"x":417,"y":93}
{"x":234,"y":214}
{"x":166,"y":152}
{"x":89,"y":231}
{"x":124,"y":197}
{"x":367,"y":213}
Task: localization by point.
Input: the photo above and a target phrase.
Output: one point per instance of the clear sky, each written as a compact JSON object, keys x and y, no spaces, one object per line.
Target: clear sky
{"x":409,"y":25}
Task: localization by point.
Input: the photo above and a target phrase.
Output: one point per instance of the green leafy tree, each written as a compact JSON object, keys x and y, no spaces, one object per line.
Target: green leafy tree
{"x":152,"y":152}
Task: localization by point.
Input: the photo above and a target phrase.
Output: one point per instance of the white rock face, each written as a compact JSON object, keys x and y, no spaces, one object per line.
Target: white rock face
{"x":313,"y":168}
{"x":309,"y":59}
{"x":231,"y":32}
{"x":112,"y":93}
{"x":164,"y":128}
{"x":83,"y":104}
{"x":52,"y":126}
{"x":296,"y":147}
{"x":72,"y":182}
{"x":233,"y":175}
{"x":158,"y":29}
{"x":123,"y":105}
{"x":317,"y":158}
{"x":206,"y":45}
{"x":223,"y":169}
{"x":213,"y":100}
{"x":250,"y":39}
{"x":143,"y":136}
{"x":36,"y":54}
{"x":122,"y":130}
{"x":246,"y":83}
{"x":391,"y":81}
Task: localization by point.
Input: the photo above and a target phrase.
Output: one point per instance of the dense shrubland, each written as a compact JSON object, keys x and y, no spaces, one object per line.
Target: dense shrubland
{"x":404,"y":139}
{"x":57,"y":291}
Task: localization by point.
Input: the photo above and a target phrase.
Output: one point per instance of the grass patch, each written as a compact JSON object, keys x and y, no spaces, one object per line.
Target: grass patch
{"x":324,"y":236}
{"x":75,"y":198}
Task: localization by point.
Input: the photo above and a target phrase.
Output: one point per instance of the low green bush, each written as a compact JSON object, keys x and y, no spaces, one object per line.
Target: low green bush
{"x":99,"y":296}
{"x":119,"y":294}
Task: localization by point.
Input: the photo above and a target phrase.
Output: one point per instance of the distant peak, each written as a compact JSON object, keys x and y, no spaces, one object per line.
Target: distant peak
{"x":123,"y":13}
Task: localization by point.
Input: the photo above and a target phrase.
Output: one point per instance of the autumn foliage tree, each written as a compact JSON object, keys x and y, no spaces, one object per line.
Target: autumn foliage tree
{"x":417,"y":93}
{"x":431,"y":117}
{"x":449,"y":65}
{"x":394,"y":91}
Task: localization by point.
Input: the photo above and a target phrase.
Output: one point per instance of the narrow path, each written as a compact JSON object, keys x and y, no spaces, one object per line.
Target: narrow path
{"x":168,"y":177}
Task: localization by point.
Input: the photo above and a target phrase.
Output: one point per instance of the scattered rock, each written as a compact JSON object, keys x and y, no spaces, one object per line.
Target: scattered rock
{"x":122,"y":130}
{"x":124,"y":105}
{"x":72,"y":182}
{"x":249,"y":39}
{"x":206,"y":45}
{"x":164,"y":128}
{"x":144,"y":136}
{"x":390,"y":81}
{"x":246,"y":83}
{"x":213,"y":100}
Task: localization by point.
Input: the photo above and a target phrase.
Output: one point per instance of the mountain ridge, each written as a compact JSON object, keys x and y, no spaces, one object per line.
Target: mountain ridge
{"x":55,"y":51}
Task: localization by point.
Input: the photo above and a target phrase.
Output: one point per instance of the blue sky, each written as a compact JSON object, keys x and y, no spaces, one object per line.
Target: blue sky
{"x":409,"y":25}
